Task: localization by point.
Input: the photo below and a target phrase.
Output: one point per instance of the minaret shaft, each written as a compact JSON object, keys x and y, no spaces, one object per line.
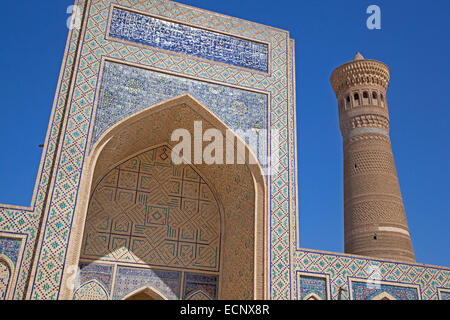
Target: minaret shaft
{"x":374,"y":216}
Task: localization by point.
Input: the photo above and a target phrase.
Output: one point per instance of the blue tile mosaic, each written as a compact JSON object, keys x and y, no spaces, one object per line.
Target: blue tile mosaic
{"x":139,"y":28}
{"x":316,"y":285}
{"x":200,"y":282}
{"x":10,"y":248}
{"x":101,"y":272}
{"x":365,"y":291}
{"x":125,"y":90}
{"x":129,"y":279}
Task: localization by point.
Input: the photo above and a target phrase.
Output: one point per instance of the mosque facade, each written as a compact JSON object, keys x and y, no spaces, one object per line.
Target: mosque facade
{"x":114,"y":215}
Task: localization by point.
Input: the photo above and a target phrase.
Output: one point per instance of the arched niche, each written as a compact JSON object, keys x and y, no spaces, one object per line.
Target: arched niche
{"x":384,"y":296}
{"x":198,"y":295}
{"x":150,"y":212}
{"x":240,"y":191}
{"x":312,"y":296}
{"x":145,"y":293}
{"x":91,"y":290}
{"x":6,"y":275}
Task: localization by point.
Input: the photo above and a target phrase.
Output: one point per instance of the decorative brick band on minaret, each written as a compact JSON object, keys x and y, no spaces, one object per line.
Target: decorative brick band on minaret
{"x":374,"y":216}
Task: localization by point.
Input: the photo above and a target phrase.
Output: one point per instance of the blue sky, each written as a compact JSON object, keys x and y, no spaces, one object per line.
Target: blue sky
{"x":413,"y":42}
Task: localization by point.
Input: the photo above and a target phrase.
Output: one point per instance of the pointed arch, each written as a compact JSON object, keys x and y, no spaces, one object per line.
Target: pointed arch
{"x":110,"y":140}
{"x":159,"y":193}
{"x":198,"y":295}
{"x":6,"y":276}
{"x":91,"y":290}
{"x":312,"y":296}
{"x":145,"y":293}
{"x":241,"y":190}
{"x":384,"y":296}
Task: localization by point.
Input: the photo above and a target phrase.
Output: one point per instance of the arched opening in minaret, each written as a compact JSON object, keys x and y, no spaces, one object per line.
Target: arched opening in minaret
{"x":190,"y":231}
{"x":365,"y":99}
{"x":374,"y":95}
{"x":356,"y":98}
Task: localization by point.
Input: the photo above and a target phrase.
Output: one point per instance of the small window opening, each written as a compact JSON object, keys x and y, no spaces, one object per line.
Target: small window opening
{"x":374,"y":95}
{"x":356,"y":96}
{"x":375,"y":236}
{"x":365,"y":95}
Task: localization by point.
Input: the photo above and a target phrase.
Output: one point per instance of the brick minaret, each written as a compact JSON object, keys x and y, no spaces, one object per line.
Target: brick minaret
{"x":374,"y":216}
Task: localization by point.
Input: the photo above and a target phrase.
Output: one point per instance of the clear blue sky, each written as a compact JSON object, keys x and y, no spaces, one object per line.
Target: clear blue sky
{"x":414,"y":42}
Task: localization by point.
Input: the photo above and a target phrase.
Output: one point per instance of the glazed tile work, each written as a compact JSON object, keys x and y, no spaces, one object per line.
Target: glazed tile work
{"x":91,"y":290}
{"x":102,"y":273}
{"x":365,"y":291}
{"x":95,"y":283}
{"x":10,"y":248}
{"x":5,"y":279}
{"x":352,"y":273}
{"x":129,"y":279}
{"x":111,"y":70}
{"x":313,"y":285}
{"x":200,"y":287}
{"x":131,"y":26}
{"x":125,"y":90}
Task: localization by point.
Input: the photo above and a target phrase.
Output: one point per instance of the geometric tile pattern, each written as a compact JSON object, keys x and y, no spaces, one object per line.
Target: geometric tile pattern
{"x":11,"y":248}
{"x":149,"y":211}
{"x":91,"y":290}
{"x":129,"y":279}
{"x":394,"y":277}
{"x":125,"y":90}
{"x":139,"y":28}
{"x":200,"y":287}
{"x":47,"y":223}
{"x":96,"y":279}
{"x":364,"y":291}
{"x":102,"y":273}
{"x":313,"y":285}
{"x":5,"y":277}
